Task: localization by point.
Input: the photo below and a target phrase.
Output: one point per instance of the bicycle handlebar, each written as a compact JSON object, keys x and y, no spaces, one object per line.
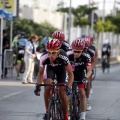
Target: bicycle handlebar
{"x":52,"y":84}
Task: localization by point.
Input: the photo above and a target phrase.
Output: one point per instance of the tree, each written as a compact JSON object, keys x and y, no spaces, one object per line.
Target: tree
{"x":79,"y":14}
{"x":108,"y":26}
{"x":30,"y":27}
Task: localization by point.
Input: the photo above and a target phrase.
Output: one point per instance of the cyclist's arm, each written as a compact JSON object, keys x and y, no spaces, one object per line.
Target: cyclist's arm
{"x":89,"y":71}
{"x":70,"y":75}
{"x":40,"y":75}
{"x":94,"y":59}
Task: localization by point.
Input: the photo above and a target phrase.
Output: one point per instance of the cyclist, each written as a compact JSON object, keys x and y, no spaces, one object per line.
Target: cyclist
{"x":20,"y":46}
{"x":14,"y":48}
{"x":81,"y":64}
{"x":91,"y":49}
{"x":57,"y":64}
{"x":59,"y":34}
{"x":106,"y":50}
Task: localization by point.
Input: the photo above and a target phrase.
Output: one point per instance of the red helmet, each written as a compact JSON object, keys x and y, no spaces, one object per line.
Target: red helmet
{"x":78,"y":44}
{"x":58,"y":34}
{"x":90,"y":37}
{"x":53,"y":44}
{"x":87,"y":42}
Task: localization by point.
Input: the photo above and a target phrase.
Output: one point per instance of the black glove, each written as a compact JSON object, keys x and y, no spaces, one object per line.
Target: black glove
{"x":37,"y":90}
{"x":85,"y":81}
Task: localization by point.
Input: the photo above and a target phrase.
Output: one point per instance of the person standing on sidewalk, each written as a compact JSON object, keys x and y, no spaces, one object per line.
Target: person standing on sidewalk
{"x":5,"y":45}
{"x":29,"y":60}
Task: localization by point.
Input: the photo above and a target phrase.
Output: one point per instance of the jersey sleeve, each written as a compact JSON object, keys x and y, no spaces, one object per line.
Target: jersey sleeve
{"x":87,"y":58}
{"x":64,"y":59}
{"x":91,"y":51}
{"x":43,"y":59}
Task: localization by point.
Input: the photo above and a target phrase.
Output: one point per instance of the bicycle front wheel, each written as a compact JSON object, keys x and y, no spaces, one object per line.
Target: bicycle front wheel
{"x":51,"y":110}
{"x":54,"y":110}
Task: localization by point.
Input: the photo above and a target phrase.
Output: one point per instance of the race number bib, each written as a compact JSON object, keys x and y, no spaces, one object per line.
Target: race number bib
{"x":104,"y":49}
{"x":21,"y":52}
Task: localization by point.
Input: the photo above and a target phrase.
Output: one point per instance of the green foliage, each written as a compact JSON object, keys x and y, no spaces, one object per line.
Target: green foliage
{"x":30,"y":27}
{"x":83,"y":21}
{"x":98,"y":27}
{"x":79,"y":14}
{"x":115,"y":20}
{"x":108,"y":26}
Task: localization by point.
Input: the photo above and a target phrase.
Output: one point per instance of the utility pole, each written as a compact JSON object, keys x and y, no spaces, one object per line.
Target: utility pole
{"x":114,"y":8}
{"x":103,"y":19}
{"x":92,"y":18}
{"x":3,"y":7}
{"x":69,"y":24}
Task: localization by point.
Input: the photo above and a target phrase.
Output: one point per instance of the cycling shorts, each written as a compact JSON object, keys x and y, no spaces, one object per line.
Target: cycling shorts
{"x":81,"y":85}
{"x":79,"y":78}
{"x":105,"y":53}
{"x":20,"y":57}
{"x":54,"y":73}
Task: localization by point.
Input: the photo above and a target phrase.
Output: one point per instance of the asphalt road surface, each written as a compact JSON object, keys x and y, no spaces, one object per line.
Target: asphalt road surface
{"x":18,"y":102}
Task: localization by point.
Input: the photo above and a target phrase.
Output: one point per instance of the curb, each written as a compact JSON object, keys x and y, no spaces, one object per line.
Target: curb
{"x":111,"y":63}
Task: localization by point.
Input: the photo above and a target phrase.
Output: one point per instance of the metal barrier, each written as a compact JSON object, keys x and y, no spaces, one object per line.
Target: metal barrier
{"x":8,"y":60}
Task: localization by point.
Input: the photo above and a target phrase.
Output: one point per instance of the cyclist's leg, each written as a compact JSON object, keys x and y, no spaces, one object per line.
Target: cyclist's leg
{"x":108,"y":59}
{"x":88,"y":93}
{"x":49,"y":75}
{"x":18,"y":65}
{"x":61,"y":77}
{"x":22,"y":68}
{"x":14,"y":59}
{"x":83,"y":101}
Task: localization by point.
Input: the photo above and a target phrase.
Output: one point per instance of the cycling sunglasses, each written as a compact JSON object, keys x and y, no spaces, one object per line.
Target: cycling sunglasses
{"x":77,"y":51}
{"x":52,"y":52}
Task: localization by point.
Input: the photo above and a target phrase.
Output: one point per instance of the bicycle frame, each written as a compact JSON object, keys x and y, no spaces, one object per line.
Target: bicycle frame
{"x":54,"y":107}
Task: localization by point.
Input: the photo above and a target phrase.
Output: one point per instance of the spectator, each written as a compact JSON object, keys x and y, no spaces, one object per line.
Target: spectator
{"x":29,"y":56}
{"x":5,"y":45}
{"x":46,"y":39}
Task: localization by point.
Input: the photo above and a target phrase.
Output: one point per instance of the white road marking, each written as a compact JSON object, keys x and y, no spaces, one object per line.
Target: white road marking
{"x":12,"y":94}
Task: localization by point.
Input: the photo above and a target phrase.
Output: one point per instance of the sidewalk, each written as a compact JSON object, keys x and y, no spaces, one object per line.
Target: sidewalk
{"x":10,"y":78}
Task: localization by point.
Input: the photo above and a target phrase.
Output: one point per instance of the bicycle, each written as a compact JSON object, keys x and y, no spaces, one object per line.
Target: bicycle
{"x":75,"y":102}
{"x":105,"y":64}
{"x":54,"y":107}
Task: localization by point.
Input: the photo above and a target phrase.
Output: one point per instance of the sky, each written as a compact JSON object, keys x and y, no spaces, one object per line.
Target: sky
{"x":109,"y":4}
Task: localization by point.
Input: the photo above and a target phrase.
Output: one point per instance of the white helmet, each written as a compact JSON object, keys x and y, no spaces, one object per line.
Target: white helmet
{"x":106,"y":41}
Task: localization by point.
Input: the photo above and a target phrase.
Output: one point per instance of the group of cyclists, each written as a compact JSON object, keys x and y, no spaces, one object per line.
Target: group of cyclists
{"x":59,"y":60}
{"x":76,"y":61}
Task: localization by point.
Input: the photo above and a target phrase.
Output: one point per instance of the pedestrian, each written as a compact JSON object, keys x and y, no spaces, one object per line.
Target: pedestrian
{"x":29,"y":56}
{"x":5,"y":45}
{"x":46,"y":39}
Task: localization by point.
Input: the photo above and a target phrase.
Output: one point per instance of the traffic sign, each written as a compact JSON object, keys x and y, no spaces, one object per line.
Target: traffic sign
{"x":11,"y":6}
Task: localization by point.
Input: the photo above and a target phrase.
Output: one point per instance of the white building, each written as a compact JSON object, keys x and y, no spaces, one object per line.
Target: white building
{"x":41,"y":10}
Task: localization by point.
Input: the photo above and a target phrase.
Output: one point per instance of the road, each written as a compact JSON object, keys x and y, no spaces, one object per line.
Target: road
{"x":18,"y":102}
